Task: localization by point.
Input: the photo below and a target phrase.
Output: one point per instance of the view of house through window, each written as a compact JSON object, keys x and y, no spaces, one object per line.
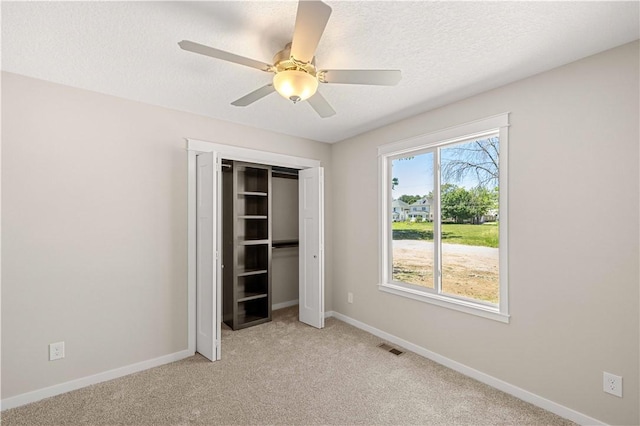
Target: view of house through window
{"x":460,"y":256}
{"x":412,"y":216}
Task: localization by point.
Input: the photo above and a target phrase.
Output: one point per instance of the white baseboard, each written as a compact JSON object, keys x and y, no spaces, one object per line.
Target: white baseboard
{"x":520,"y":393}
{"x":283,"y":305}
{"x":567,"y":413}
{"x":37,"y":395}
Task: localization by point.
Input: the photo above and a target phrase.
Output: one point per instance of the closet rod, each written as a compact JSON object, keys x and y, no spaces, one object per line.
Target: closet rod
{"x":284,"y":172}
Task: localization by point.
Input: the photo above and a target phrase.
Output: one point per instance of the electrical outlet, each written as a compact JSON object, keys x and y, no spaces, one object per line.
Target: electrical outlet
{"x":612,"y":384}
{"x":349,"y":297}
{"x":56,"y":351}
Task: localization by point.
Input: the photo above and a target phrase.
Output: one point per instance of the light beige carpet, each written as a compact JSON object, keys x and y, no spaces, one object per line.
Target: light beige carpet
{"x":285,"y":372}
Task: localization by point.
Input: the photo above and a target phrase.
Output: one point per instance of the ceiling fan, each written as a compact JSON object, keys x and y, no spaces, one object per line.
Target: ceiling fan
{"x":295,"y":74}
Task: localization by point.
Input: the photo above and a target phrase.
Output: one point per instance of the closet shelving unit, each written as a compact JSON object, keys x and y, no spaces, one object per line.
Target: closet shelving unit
{"x":247,"y":251}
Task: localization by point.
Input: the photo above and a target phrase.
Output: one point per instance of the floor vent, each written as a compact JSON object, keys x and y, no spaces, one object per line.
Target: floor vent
{"x":390,"y":348}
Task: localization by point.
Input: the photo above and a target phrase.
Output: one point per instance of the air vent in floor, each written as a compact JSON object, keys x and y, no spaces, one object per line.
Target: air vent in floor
{"x":390,"y":348}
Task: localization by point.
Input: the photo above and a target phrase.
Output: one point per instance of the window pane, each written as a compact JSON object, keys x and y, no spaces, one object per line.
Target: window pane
{"x":469,"y":212}
{"x":412,"y":219}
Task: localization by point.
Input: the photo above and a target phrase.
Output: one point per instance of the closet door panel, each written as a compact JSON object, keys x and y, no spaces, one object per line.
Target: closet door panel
{"x":311,"y":232}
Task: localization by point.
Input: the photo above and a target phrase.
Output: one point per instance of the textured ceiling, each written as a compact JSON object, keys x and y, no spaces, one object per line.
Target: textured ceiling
{"x":446,"y":51}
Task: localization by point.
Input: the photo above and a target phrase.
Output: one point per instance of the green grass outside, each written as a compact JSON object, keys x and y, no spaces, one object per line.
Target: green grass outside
{"x":471,"y":235}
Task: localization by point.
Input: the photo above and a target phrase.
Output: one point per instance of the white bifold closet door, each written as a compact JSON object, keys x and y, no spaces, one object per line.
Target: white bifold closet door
{"x":311,"y":251}
{"x":206,"y":295}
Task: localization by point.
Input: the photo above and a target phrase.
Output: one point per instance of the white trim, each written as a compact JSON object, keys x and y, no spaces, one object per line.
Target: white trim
{"x":520,"y":393}
{"x":218,"y":250}
{"x":230,"y":152}
{"x":322,"y":252}
{"x":468,"y":307}
{"x":194,"y":147}
{"x":37,"y":395}
{"x":469,"y":130}
{"x":384,"y":231}
{"x":491,"y":126}
{"x":494,"y":382}
{"x":283,"y":305}
{"x":191,"y":252}
{"x":503,"y":226}
{"x":437,"y":226}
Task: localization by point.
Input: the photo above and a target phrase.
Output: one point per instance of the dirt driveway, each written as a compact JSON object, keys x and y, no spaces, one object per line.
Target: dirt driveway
{"x":470,"y":271}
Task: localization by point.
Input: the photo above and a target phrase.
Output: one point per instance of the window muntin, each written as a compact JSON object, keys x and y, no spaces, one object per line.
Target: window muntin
{"x":473,"y":283}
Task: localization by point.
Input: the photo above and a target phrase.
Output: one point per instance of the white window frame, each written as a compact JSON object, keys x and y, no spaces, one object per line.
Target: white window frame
{"x":497,"y":124}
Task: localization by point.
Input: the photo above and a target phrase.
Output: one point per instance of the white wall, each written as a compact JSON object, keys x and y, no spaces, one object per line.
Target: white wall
{"x":573,"y":253}
{"x":94,"y":227}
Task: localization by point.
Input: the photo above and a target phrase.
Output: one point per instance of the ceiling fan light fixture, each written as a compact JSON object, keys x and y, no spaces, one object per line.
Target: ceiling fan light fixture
{"x":295,"y":85}
{"x":296,"y":76}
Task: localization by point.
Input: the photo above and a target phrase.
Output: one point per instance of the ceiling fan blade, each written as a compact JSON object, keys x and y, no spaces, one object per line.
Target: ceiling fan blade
{"x":221,"y":54}
{"x":254,"y":96}
{"x":320,"y":104}
{"x":374,"y":77}
{"x":311,"y":20}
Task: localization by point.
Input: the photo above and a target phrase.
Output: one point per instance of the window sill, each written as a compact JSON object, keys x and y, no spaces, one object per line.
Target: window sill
{"x":446,"y":302}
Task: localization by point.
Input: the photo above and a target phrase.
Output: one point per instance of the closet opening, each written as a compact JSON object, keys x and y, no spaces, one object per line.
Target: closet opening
{"x":264,"y":253}
{"x":260,"y":255}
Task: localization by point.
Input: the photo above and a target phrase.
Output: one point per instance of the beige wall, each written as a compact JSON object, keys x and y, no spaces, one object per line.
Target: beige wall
{"x":284,"y":261}
{"x":94,"y":227}
{"x":573,"y":236}
{"x":94,"y":233}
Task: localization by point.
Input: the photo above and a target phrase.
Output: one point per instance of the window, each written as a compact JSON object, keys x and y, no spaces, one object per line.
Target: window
{"x":451,"y":251}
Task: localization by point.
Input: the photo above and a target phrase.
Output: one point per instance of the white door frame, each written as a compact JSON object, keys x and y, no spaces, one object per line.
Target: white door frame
{"x":195,"y":147}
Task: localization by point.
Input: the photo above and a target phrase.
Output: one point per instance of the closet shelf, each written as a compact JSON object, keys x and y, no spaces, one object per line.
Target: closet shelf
{"x":252,"y":242}
{"x":284,"y":243}
{"x":252,"y":272}
{"x":257,"y":194}
{"x":252,"y":216}
{"x":252,"y":296}
{"x":247,"y":320}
